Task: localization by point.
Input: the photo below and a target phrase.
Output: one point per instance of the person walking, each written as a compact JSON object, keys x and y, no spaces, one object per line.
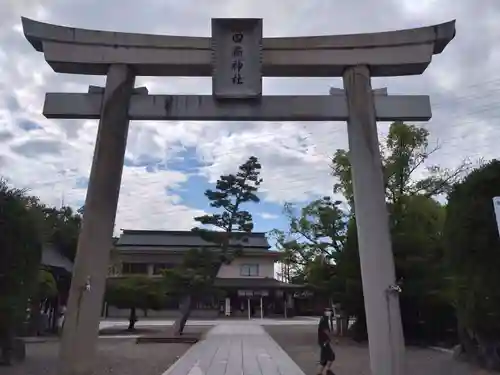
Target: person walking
{"x":62,"y":315}
{"x":327,"y":355}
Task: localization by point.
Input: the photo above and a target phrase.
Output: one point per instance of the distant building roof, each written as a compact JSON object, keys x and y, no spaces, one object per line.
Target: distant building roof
{"x":246,"y":282}
{"x":188,"y":239}
{"x":52,"y":258}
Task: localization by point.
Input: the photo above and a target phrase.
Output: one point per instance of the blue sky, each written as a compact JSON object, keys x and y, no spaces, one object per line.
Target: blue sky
{"x":266,"y":215}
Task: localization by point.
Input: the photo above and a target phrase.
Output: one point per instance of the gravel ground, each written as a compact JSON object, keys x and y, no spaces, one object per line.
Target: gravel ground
{"x":115,"y":356}
{"x":352,"y":358}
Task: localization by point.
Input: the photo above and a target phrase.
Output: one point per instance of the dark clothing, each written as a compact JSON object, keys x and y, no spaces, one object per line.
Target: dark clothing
{"x":326,"y":351}
{"x":326,"y":354}
{"x":323,"y":331}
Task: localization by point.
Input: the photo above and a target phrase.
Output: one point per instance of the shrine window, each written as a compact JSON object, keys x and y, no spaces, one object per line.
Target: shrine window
{"x":249,"y":270}
{"x":135,"y":268}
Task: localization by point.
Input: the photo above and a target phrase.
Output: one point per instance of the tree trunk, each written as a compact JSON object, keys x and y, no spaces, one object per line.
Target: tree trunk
{"x":184,"y":312}
{"x":7,"y":345}
{"x":35,"y":320}
{"x":54,"y":315}
{"x":467,"y":343}
{"x":132,"y":320}
{"x":342,"y":323}
{"x":474,"y":348}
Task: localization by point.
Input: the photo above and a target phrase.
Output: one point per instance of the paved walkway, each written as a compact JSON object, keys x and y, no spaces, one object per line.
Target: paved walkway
{"x":235,"y":349}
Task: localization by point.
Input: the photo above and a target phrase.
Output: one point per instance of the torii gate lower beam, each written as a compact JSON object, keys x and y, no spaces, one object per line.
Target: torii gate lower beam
{"x":269,"y":108}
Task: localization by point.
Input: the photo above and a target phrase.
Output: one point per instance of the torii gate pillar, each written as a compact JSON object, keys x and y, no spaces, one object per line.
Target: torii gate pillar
{"x":81,"y":323}
{"x":383,"y":320}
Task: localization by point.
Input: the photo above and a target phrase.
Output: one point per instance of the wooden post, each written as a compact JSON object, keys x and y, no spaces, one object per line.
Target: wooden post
{"x":81,"y":326}
{"x":386,"y":343}
{"x":261,"y":309}
{"x":285,"y":305}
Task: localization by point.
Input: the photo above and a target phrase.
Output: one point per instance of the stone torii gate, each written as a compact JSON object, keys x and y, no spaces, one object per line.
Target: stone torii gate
{"x":237,"y":57}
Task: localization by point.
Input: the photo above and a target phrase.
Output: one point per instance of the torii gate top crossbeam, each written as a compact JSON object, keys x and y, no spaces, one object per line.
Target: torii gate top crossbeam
{"x":393,"y":53}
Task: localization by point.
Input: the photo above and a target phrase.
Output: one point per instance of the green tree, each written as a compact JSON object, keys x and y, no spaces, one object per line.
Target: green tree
{"x":416,"y":222}
{"x":192,"y":281}
{"x":20,"y":254}
{"x":135,"y":292}
{"x":45,"y":289}
{"x":419,"y":256}
{"x":312,"y":244}
{"x":226,"y":231}
{"x":473,"y":253}
{"x":46,"y":286}
{"x":404,"y":152}
{"x":61,"y":228}
{"x":320,"y":275}
{"x":318,"y":229}
{"x":348,"y":270}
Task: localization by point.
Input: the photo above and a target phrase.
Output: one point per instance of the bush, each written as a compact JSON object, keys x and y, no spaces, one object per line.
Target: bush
{"x":473,"y":254}
{"x":135,"y":292}
{"x":20,"y":252}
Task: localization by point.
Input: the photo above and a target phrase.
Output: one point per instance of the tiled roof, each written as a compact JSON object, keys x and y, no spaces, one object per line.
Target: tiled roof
{"x":181,"y":239}
{"x":265,"y":282}
{"x":52,"y":258}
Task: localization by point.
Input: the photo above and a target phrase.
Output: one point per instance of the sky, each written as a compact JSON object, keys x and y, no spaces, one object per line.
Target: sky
{"x":169,"y":165}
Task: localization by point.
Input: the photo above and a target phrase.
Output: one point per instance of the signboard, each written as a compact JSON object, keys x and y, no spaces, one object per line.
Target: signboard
{"x":303,"y":294}
{"x":237,"y":58}
{"x":252,"y":293}
{"x":227,"y":307}
{"x":496,"y":207}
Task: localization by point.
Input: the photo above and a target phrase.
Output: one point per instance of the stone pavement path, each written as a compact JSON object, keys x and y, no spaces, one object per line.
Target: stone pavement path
{"x":235,"y":349}
{"x":299,"y":342}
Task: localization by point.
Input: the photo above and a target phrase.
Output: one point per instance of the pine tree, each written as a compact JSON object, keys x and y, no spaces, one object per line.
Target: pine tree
{"x":226,"y":229}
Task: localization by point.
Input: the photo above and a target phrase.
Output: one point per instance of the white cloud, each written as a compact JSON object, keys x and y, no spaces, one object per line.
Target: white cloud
{"x":268,"y":216}
{"x":294,"y":157}
{"x":144,"y":203}
{"x":463,"y":82}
